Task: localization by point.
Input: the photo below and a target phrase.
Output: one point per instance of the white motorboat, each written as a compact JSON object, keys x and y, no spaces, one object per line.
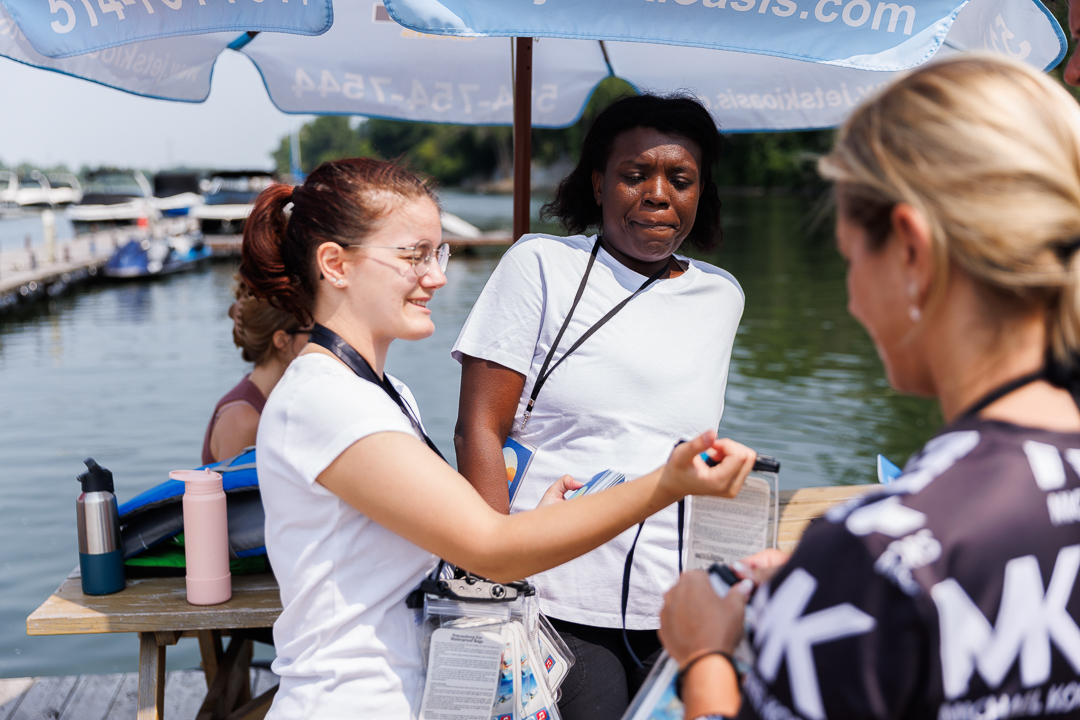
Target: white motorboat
{"x":176,"y":194}
{"x":229,"y":200}
{"x":9,"y":186}
{"x":34,"y":190}
{"x":66,"y":189}
{"x":113,"y":198}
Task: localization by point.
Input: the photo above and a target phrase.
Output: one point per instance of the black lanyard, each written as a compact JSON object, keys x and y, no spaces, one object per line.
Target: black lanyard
{"x":327,"y":338}
{"x":545,"y":372}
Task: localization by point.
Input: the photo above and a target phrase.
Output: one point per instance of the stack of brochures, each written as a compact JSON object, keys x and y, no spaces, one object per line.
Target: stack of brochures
{"x":600,"y":481}
{"x":481,"y":666}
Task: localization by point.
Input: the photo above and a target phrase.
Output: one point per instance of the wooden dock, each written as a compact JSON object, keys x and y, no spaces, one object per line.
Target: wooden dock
{"x":30,"y":274}
{"x":108,"y":697}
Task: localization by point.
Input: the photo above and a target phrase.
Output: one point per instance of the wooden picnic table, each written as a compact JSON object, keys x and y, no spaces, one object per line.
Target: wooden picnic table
{"x":157,"y":609}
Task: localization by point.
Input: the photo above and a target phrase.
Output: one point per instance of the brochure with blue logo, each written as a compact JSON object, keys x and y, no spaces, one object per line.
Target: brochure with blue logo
{"x":517,"y":456}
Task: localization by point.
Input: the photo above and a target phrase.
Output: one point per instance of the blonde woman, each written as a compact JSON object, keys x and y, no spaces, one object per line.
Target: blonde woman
{"x":951,"y":594}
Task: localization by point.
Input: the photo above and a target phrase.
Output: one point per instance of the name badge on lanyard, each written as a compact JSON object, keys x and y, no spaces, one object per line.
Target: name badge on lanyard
{"x":518,"y":454}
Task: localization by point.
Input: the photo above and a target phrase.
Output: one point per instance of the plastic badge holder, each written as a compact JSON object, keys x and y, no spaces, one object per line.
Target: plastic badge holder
{"x":657,"y":699}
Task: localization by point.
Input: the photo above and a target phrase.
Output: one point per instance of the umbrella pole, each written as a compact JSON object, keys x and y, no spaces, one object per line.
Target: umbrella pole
{"x":522,"y":134}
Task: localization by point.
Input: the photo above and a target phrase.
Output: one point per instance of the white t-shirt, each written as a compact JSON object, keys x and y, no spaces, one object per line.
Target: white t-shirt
{"x":347,"y":647}
{"x":654,"y":374}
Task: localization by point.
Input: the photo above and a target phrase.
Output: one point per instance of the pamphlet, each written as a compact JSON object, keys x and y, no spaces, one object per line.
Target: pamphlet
{"x":462,"y":674}
{"x":600,"y":481}
{"x":723,"y":530}
{"x":517,"y":456}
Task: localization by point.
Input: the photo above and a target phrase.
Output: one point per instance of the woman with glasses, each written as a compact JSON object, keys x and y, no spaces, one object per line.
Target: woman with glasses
{"x":270,"y":338}
{"x":359,"y":503}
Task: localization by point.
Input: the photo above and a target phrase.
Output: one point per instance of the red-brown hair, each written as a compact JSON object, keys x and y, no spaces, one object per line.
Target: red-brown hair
{"x":343,"y":201}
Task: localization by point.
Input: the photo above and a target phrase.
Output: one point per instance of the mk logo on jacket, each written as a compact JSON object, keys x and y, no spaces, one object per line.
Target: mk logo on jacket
{"x":1028,"y":621}
{"x":783,"y":632}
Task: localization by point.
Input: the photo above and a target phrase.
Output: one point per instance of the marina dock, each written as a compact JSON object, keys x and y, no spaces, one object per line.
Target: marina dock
{"x":34,"y":273}
{"x":108,"y":697}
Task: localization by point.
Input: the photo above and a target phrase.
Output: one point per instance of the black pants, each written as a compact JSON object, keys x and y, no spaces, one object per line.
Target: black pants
{"x":604,"y":678}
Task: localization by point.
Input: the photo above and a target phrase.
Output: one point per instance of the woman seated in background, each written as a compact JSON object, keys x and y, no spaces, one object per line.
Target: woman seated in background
{"x":268,"y":337}
{"x":651,"y":374}
{"x":950,"y":594}
{"x":359,"y":503}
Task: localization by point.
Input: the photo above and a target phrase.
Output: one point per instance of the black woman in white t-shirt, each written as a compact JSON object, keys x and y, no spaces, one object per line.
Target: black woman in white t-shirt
{"x":951,"y":593}
{"x":359,"y":503}
{"x":569,"y":387}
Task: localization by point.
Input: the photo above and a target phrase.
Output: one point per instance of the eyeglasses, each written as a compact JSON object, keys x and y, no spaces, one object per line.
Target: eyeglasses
{"x":299,"y":331}
{"x":421,"y":255}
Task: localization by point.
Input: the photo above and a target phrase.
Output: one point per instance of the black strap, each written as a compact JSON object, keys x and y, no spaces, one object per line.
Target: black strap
{"x":545,"y":371}
{"x":628,"y":566}
{"x":1001,"y":391}
{"x":346,"y":353}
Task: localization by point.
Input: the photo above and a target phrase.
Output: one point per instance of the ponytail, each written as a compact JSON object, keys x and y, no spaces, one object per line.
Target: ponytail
{"x":269,"y":265}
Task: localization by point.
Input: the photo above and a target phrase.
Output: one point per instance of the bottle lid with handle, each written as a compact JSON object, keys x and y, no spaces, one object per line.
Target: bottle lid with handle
{"x":198,"y":482}
{"x":96,"y":478}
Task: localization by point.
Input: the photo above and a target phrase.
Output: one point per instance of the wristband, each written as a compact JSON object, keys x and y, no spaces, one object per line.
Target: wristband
{"x":682,"y":673}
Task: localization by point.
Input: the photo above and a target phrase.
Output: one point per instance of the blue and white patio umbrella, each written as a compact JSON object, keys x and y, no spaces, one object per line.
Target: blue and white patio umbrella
{"x":758,"y":64}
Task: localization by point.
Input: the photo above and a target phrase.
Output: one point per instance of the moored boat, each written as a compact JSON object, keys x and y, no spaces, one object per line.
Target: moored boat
{"x":113,"y":198}
{"x":229,"y":200}
{"x":151,"y":257}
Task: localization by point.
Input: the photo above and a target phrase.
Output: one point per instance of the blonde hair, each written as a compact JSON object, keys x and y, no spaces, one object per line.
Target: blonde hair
{"x":254,"y":323}
{"x":988,"y":150}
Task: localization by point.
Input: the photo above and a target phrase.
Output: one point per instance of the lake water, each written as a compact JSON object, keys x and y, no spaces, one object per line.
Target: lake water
{"x":128,"y":374}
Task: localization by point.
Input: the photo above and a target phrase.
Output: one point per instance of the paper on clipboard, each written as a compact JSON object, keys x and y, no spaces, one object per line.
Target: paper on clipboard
{"x":723,"y":530}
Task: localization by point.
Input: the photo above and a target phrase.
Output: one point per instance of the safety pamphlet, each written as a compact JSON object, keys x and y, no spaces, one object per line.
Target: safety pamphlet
{"x":480,"y":670}
{"x":723,"y":530}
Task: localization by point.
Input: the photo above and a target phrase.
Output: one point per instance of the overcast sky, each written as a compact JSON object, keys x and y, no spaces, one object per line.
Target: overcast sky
{"x":47,"y":118}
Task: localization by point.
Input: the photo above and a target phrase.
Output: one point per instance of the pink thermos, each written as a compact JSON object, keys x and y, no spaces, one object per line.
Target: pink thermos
{"x":206,"y":537}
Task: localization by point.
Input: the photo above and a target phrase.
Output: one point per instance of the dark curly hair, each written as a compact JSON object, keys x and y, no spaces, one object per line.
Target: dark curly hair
{"x":574,"y":205}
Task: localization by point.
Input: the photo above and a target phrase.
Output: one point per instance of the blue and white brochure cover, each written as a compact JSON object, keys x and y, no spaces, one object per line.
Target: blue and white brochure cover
{"x":517,"y":457}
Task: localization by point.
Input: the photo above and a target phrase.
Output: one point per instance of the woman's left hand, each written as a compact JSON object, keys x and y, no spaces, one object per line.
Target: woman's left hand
{"x":695,"y":620}
{"x":556,"y":493}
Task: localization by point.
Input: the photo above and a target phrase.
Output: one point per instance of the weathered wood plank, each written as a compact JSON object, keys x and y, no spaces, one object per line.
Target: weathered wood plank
{"x":184,"y":694}
{"x":151,"y":704}
{"x":155,"y":604}
{"x":11,"y":694}
{"x":46,"y":699}
{"x":799,"y":507}
{"x":126,"y":704}
{"x":92,"y":697}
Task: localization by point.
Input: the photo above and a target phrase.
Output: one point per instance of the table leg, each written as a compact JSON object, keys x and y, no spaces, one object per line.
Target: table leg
{"x":232,"y":683}
{"x":151,"y":705}
{"x":210,"y":649}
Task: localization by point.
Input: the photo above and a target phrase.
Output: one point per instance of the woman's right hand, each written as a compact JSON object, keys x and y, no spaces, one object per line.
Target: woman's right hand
{"x":687,"y":474}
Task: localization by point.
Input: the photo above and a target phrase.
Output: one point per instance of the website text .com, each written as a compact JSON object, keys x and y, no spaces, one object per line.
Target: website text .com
{"x":854,"y":13}
{"x":791,"y":99}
